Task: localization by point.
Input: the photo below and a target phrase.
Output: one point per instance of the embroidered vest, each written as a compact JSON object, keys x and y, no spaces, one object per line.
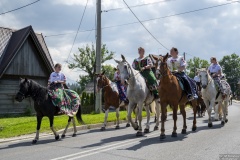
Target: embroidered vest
{"x":140,"y":64}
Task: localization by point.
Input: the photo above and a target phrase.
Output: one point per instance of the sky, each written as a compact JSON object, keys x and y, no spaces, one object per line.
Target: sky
{"x":207,"y":33}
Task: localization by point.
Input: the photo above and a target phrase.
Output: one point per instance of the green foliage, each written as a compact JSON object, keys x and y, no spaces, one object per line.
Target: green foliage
{"x":231,"y":67}
{"x":196,"y":63}
{"x":109,"y":71}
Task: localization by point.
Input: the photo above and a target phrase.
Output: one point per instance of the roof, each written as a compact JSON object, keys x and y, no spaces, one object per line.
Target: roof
{"x":89,"y":87}
{"x":11,"y":41}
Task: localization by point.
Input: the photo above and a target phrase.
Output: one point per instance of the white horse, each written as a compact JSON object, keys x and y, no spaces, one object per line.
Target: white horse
{"x":211,"y":96}
{"x":138,"y":95}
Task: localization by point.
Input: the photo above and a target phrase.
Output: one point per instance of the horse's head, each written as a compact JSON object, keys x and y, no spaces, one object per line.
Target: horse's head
{"x":102,"y":81}
{"x":124,"y":69}
{"x":23,"y":89}
{"x":158,"y":60}
{"x":162,"y":67}
{"x":204,"y":77}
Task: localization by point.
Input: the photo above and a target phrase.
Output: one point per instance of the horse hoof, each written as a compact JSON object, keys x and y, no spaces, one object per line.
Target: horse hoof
{"x":103,"y":129}
{"x":222,"y":123}
{"x":184,"y":131}
{"x":34,"y":141}
{"x":63,"y":136}
{"x":174,"y":134}
{"x":74,"y":135}
{"x":146,"y":130}
{"x":57,"y":137}
{"x":127,"y":125}
{"x":117,"y":127}
{"x":209,"y":124}
{"x":136,"y":128}
{"x":226,"y":120}
{"x":162,"y":136}
{"x":155,"y":128}
{"x":194,"y":128}
{"x":139,"y":134}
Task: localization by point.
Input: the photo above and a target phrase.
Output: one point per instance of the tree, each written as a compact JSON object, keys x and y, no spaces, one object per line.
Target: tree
{"x":231,"y":67}
{"x":85,"y":61}
{"x":109,"y":71}
{"x":194,"y":64}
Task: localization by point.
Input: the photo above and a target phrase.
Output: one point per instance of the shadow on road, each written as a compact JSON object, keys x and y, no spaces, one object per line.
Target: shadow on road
{"x":156,"y":140}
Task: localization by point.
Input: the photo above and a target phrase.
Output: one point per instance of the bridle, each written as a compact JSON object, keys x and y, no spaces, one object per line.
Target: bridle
{"x":102,"y":86}
{"x":163,"y":73}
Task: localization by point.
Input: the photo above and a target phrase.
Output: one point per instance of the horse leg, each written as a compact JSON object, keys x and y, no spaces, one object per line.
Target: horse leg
{"x":209,"y":110}
{"x":74,"y":127}
{"x":194,"y":105}
{"x":175,"y":108}
{"x":128,"y":123}
{"x":146,"y":130}
{"x":163,"y":117}
{"x":117,"y":115}
{"x":130,"y":109}
{"x":105,"y":120}
{"x":65,"y":130}
{"x":52,"y":128}
{"x":157,"y":115}
{"x":182,"y":109}
{"x":140,"y":108}
{"x":216,"y":113}
{"x":39,"y":121}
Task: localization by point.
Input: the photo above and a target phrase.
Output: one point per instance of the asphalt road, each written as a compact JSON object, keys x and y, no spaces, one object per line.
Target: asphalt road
{"x":122,"y":144}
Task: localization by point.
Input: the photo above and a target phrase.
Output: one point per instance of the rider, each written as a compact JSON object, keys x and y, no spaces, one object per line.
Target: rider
{"x":57,"y":77}
{"x":144,"y":65}
{"x":121,"y":88}
{"x":177,"y":65}
{"x":215,"y":70}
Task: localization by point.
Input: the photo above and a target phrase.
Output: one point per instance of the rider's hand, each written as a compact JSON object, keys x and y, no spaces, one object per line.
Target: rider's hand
{"x":143,"y":68}
{"x":55,"y":82}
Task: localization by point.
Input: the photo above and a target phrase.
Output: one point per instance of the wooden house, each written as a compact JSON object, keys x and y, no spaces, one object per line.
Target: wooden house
{"x":23,"y":53}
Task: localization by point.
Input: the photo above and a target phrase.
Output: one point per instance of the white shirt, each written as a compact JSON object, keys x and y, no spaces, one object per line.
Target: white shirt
{"x":57,"y":77}
{"x":174,"y":63}
{"x":214,"y":68}
{"x":196,"y":78}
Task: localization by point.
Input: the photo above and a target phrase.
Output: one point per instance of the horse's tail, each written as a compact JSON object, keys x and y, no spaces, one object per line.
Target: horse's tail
{"x":79,"y":115}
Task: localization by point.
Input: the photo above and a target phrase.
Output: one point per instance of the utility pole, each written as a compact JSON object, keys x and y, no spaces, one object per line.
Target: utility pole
{"x":98,"y":100}
{"x":184,"y":56}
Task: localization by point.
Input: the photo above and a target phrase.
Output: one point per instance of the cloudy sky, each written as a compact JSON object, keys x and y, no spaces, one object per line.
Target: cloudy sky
{"x":212,"y":32}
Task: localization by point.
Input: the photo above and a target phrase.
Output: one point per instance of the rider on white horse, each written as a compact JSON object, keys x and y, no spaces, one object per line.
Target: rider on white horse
{"x":215,"y":70}
{"x":144,"y":65}
{"x":177,"y":66}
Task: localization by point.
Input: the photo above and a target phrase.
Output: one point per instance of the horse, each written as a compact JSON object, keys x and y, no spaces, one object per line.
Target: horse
{"x":138,"y":94}
{"x":212,"y":96}
{"x":111,"y":97}
{"x":201,"y":107}
{"x":43,"y":106}
{"x":171,"y":93}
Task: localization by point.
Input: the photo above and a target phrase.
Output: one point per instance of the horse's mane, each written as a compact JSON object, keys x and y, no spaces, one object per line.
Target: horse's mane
{"x":39,"y":93}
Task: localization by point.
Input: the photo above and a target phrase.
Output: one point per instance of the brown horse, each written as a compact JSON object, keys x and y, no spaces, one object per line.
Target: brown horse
{"x":111,"y":97}
{"x":171,"y":93}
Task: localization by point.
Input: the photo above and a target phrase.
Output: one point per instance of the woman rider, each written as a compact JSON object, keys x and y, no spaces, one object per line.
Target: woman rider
{"x":67,"y":100}
{"x":144,"y":65}
{"x":121,"y":88}
{"x":177,"y":65}
{"x":215,"y":70}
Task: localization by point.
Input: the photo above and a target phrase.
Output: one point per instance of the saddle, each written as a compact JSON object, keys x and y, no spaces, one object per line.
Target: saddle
{"x":180,"y":81}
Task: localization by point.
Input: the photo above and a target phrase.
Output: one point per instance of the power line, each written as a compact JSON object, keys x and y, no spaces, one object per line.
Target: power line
{"x":77,"y":32}
{"x":145,"y":27}
{"x":163,"y":17}
{"x":140,"y":5}
{"x":20,"y":7}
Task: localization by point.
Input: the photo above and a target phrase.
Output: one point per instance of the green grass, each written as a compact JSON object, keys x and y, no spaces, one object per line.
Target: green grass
{"x":12,"y":127}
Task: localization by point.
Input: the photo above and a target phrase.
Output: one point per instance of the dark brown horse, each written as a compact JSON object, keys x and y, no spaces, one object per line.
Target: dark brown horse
{"x":111,"y":96}
{"x":171,"y":93}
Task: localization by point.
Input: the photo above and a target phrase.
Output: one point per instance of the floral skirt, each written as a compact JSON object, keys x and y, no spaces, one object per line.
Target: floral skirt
{"x":122,"y":91}
{"x":67,"y":100}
